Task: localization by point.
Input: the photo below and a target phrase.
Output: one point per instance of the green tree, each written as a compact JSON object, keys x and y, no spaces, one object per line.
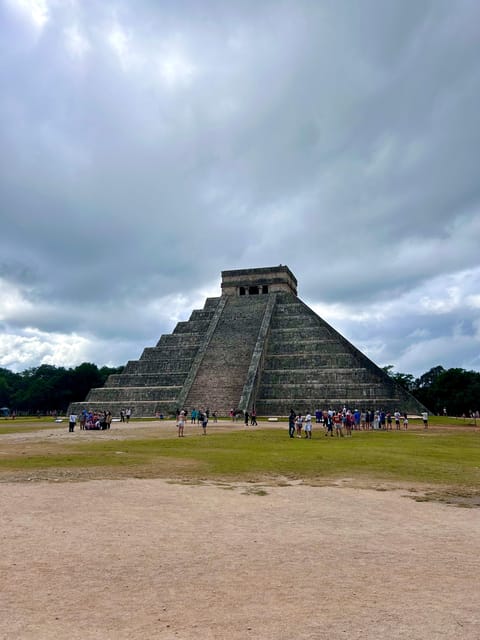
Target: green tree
{"x":8,"y":383}
{"x":87,"y":376}
{"x":457,"y":390}
{"x":50,"y":388}
{"x":405,"y":380}
{"x":427,"y":379}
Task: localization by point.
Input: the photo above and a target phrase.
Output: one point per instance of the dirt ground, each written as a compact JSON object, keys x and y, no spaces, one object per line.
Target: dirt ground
{"x":152,"y":558}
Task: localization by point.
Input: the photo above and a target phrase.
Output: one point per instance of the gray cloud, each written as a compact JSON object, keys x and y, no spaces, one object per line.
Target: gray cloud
{"x":146,"y":148}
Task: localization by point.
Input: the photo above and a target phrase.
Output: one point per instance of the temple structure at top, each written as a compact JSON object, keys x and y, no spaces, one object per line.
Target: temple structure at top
{"x":257,"y":345}
{"x":250,"y":282}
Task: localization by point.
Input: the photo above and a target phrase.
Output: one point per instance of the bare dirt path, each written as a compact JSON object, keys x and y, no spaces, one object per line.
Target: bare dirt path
{"x":120,"y":430}
{"x":151,"y":559}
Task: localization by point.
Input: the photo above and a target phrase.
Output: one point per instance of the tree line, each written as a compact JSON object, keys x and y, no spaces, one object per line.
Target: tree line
{"x":47,"y":388}
{"x":455,"y":391}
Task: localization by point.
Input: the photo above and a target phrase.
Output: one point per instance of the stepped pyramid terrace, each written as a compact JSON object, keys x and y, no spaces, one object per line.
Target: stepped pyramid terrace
{"x":257,"y":345}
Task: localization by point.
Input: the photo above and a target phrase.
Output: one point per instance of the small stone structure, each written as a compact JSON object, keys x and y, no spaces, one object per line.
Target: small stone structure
{"x":249,"y":282}
{"x":257,"y":345}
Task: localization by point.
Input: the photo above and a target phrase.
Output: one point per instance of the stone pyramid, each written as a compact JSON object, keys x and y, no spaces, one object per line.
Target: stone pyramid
{"x":257,"y":345}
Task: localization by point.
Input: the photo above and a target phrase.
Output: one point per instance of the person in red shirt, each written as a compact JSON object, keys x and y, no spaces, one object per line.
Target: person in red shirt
{"x":337,"y":421}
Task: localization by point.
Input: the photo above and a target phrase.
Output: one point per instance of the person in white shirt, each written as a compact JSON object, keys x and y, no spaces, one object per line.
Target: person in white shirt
{"x":397,"y":419}
{"x":308,"y":425}
{"x":72,"y":421}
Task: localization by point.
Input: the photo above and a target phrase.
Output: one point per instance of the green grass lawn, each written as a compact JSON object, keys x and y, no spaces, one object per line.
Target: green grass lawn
{"x":431,"y":458}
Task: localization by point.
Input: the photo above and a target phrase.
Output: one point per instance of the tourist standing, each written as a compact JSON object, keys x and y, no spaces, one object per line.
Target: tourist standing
{"x":246,"y":418}
{"x":329,"y":424}
{"x":389,"y":421}
{"x":349,"y":420}
{"x":337,"y":421}
{"x":381,"y":419}
{"x":397,"y":419}
{"x":299,"y":425}
{"x":204,"y":423}
{"x":425,"y":419}
{"x":253,"y":418}
{"x":72,"y":422}
{"x":181,"y":424}
{"x":367,"y":420}
{"x":308,"y":425}
{"x":128,"y":414}
{"x":363,"y":420}
{"x":291,"y":423}
{"x":357,"y":418}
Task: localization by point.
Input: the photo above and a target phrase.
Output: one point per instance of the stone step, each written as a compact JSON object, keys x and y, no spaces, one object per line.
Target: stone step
{"x":286,"y":310}
{"x":133,"y":394}
{"x":303,"y":346}
{"x":146,"y":379}
{"x":294,"y":322}
{"x":167,"y":352}
{"x":354,"y":390}
{"x":179,"y":340}
{"x":318,"y":360}
{"x":192,"y":326}
{"x":211,"y":304}
{"x":321,"y":377}
{"x":201,"y":316}
{"x":212,"y":398}
{"x":221,"y":376}
{"x":289,"y":334}
{"x":174,"y":364}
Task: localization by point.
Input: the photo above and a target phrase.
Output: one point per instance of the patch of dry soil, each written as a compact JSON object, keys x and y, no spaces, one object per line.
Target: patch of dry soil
{"x":142,"y":559}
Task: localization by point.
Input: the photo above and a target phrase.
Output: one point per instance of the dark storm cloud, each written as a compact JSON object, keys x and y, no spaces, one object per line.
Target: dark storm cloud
{"x":146,"y":147}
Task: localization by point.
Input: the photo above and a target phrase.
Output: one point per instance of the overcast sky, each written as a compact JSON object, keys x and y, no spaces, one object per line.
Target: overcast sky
{"x":145,"y":146}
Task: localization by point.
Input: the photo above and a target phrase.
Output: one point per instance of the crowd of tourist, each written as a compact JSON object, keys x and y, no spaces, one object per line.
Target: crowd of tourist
{"x":198,"y":416}
{"x":345,"y":421}
{"x":90,"y":420}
